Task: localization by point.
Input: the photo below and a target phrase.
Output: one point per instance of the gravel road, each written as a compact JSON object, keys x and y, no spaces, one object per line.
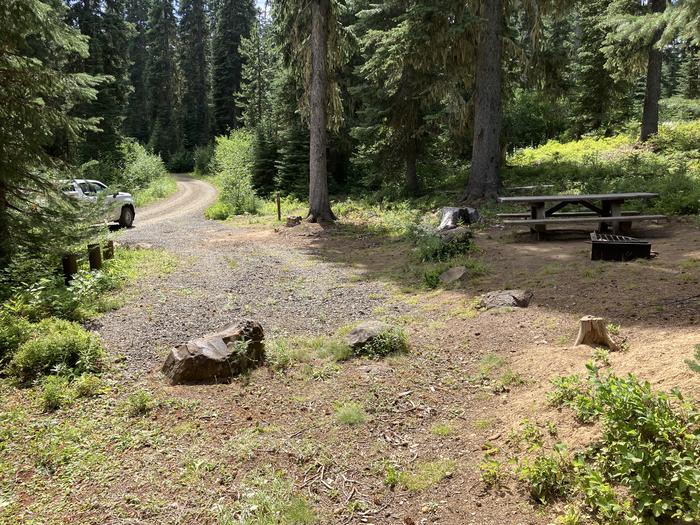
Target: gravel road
{"x":224,"y":274}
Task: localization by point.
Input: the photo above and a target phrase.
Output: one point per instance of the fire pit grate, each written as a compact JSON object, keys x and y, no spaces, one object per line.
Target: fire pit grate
{"x":608,"y":247}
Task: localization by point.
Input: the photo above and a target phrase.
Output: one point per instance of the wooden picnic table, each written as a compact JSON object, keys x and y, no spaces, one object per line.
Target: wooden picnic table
{"x":605,"y":209}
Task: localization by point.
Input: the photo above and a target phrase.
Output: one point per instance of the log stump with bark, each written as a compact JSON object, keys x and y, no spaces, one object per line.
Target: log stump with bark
{"x":593,"y":331}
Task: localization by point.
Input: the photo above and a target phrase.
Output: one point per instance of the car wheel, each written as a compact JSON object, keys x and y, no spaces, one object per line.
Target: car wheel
{"x":126,"y":219}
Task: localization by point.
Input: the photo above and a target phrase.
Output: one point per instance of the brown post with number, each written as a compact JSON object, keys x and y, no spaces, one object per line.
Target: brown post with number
{"x":108,"y":252}
{"x":70,"y":266}
{"x":95,"y":256}
{"x":279,"y":207}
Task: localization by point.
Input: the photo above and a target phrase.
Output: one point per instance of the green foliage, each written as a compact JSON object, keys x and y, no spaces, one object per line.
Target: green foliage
{"x":161,"y":77}
{"x":140,"y":403}
{"x":349,"y":413}
{"x":548,"y":476}
{"x":105,"y":25}
{"x":137,"y":122}
{"x":88,"y":385}
{"x":233,"y":159}
{"x":218,"y":211}
{"x":650,"y":445}
{"x":55,"y":393}
{"x":37,"y":96}
{"x":670,"y":166}
{"x":14,"y":331}
{"x":203,"y":157}
{"x":492,"y":471}
{"x":233,"y":21}
{"x":679,"y":109}
{"x":693,"y":364}
{"x":55,"y":346}
{"x":268,"y":498}
{"x":181,"y":162}
{"x":425,"y":475}
{"x":141,"y":168}
{"x":157,"y":189}
{"x":432,"y":248}
{"x":194,"y":64}
{"x":393,"y":340}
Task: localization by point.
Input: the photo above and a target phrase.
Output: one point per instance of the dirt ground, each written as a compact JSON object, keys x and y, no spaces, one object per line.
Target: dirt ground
{"x":442,"y":407}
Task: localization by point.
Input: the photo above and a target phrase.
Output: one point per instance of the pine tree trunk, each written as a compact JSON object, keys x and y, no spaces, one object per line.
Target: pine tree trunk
{"x":319,"y":201}
{"x":411,"y":170}
{"x":4,"y":226}
{"x":652,"y":93}
{"x":485,"y":177}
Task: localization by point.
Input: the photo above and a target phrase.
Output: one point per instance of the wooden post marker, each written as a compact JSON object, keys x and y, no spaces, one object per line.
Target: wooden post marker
{"x":108,"y":252}
{"x":279,"y":207}
{"x":70,"y":266}
{"x":95,"y":256}
{"x":592,"y":331}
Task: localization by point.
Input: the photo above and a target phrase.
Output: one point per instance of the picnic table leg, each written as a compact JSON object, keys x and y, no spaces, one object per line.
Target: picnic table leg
{"x":616,"y":211}
{"x":538,"y":212}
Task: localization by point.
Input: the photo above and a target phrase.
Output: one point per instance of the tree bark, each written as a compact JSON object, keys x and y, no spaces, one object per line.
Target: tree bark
{"x":319,"y":201}
{"x":485,"y":177}
{"x":412,"y":186}
{"x":652,"y":92}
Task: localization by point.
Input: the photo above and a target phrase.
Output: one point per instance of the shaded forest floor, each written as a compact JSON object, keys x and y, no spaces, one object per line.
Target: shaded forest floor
{"x":473,"y":386}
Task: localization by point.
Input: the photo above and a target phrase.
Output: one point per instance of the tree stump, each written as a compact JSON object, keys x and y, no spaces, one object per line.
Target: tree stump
{"x":70,"y":266}
{"x":594,"y":332}
{"x":293,"y":221}
{"x":108,"y":252}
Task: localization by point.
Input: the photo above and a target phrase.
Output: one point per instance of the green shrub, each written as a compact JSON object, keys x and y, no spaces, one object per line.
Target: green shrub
{"x":650,"y":447}
{"x":181,"y":162}
{"x":140,"y":403}
{"x":88,"y":385}
{"x":679,"y":108}
{"x":549,"y":477}
{"x":56,"y":345}
{"x":431,"y":248}
{"x":55,"y":393}
{"x":431,"y":278}
{"x":233,"y":165}
{"x":140,"y":167}
{"x":13,"y":332}
{"x":157,"y":189}
{"x":390,"y":341}
{"x":218,"y":211}
{"x":203,"y":156}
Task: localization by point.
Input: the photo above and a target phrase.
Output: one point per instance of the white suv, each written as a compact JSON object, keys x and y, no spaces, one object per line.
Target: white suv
{"x":119,"y":206}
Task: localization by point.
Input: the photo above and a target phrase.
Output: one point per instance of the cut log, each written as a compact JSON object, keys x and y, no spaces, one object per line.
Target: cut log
{"x":593,"y":331}
{"x":293,"y":221}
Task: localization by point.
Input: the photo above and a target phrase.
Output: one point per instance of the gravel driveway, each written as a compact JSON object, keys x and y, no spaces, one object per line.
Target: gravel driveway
{"x":225,"y":274}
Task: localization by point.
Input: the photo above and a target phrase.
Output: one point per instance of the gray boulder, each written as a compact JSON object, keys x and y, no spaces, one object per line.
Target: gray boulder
{"x":453,"y":217}
{"x":453,"y":274}
{"x":365,"y":333}
{"x":506,"y":298}
{"x":217,"y":357}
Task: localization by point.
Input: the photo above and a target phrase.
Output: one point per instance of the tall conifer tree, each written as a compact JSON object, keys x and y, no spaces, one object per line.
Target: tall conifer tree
{"x":194,"y":60}
{"x":234,"y":18}
{"x":137,"y":123}
{"x":162,"y":78}
{"x":104,"y":22}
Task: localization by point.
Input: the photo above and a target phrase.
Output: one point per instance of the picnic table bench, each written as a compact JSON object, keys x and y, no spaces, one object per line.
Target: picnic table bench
{"x":603,"y":209}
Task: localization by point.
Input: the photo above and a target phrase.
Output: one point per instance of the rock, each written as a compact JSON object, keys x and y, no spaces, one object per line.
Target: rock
{"x":452,"y":217}
{"x":501,"y":298}
{"x":217,"y":357}
{"x":461,"y":234}
{"x":293,"y":221}
{"x":364,"y":333}
{"x":453,"y":274}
